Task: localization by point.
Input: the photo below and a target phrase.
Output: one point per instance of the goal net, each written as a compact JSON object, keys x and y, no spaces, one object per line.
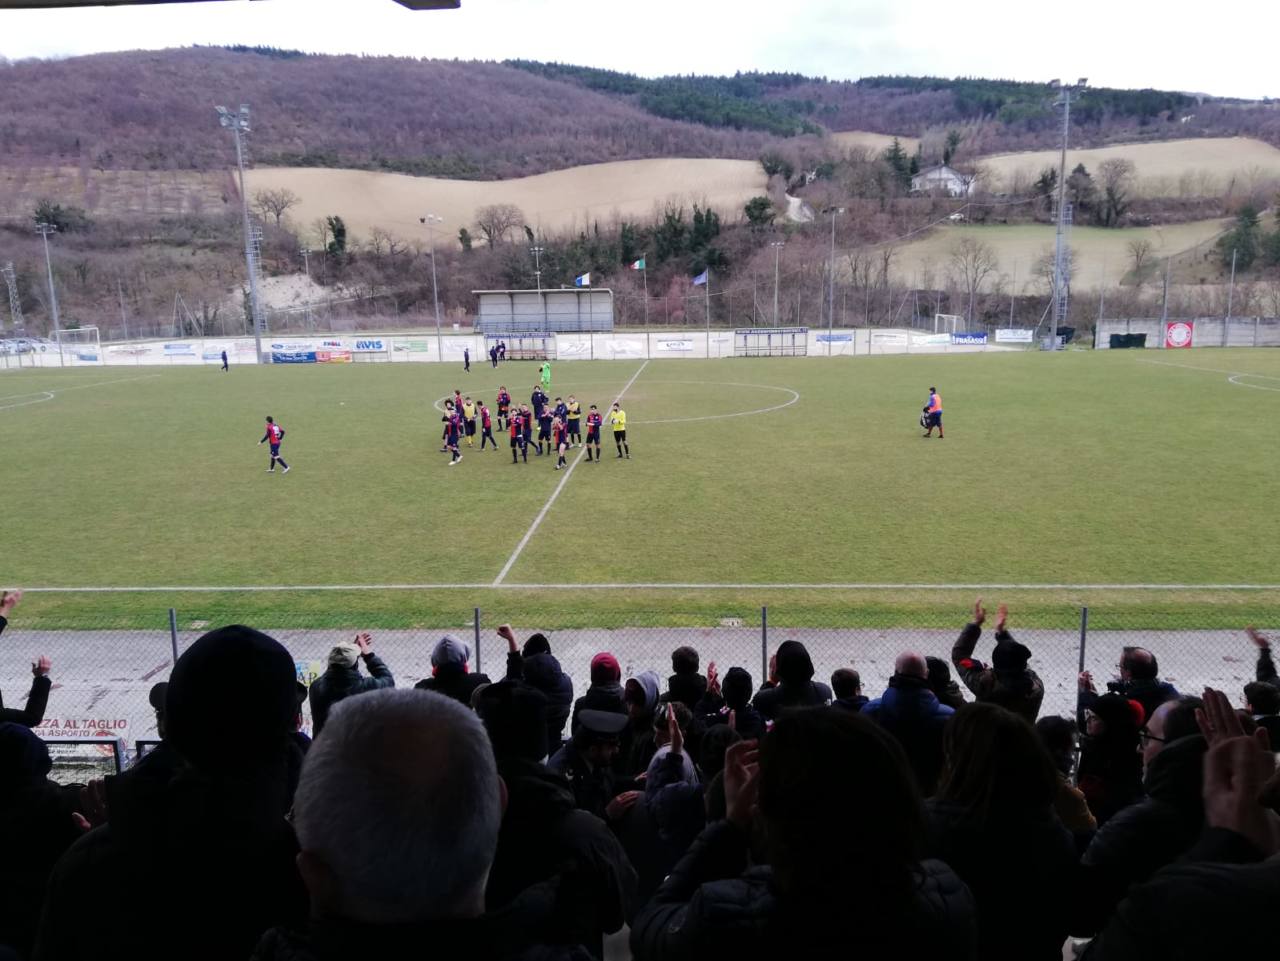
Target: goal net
{"x":521,"y":346}
{"x":771,"y":342}
{"x":948,"y":323}
{"x":80,"y":345}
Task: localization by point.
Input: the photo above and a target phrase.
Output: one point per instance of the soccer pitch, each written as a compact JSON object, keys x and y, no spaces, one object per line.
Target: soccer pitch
{"x":1061,"y":475}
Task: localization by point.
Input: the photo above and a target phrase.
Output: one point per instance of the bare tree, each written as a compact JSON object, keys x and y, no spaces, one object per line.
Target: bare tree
{"x":972,"y":261}
{"x":1140,"y":252}
{"x":274,"y":202}
{"x":495,"y":221}
{"x":1117,"y":178}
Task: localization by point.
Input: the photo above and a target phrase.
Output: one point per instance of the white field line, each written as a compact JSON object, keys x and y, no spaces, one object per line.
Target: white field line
{"x":43,"y":396}
{"x":1213,"y":370}
{"x":515,"y":555}
{"x":795,"y":396}
{"x":654,"y":586}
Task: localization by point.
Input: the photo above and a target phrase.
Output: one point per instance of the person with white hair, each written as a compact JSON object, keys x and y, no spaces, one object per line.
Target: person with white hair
{"x":397,"y":815}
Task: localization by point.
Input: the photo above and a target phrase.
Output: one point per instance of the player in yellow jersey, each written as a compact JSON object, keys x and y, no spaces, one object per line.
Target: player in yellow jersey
{"x":469,"y":421}
{"x":574,"y":421}
{"x":618,"y":420}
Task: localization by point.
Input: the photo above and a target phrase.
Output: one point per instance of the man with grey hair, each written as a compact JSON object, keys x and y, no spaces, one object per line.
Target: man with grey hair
{"x":910,"y":711}
{"x":397,"y":815}
{"x":343,"y":679}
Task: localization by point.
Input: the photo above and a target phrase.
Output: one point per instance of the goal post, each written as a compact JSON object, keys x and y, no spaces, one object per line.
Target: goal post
{"x":948,"y":323}
{"x":80,"y":346}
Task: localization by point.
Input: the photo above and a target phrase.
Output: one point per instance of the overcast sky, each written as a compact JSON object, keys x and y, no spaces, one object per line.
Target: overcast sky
{"x":1113,"y":42}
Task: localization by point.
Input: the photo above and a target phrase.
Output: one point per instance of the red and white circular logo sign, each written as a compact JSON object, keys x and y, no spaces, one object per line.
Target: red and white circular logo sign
{"x":1178,"y":335}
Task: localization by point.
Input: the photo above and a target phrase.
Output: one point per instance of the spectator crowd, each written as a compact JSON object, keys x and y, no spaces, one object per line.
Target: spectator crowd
{"x":943,"y":817}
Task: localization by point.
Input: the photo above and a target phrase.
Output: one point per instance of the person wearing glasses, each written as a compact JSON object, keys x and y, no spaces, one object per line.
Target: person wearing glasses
{"x":1110,"y":772}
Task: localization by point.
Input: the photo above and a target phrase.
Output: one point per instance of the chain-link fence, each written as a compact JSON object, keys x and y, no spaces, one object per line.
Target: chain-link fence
{"x":103,"y":673}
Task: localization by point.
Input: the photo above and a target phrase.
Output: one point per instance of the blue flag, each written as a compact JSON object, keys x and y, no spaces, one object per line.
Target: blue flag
{"x":702,"y":278}
{"x":583,"y":281}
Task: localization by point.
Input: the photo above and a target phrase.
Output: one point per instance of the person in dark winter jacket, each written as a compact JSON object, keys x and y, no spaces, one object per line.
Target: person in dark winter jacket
{"x":993,"y":823}
{"x":37,"y":825}
{"x":911,"y":713}
{"x":398,"y":814}
{"x":685,"y":685}
{"x":1157,"y":830}
{"x":587,"y":761}
{"x":1139,"y":681}
{"x":1058,"y":735}
{"x":846,"y":685}
{"x":843,"y":866}
{"x":732,"y":698}
{"x":640,"y":694}
{"x":605,"y":692}
{"x":208,"y":849}
{"x":543,"y":834}
{"x":1216,"y":901}
{"x":945,"y":689}
{"x":342,"y":678}
{"x":32,"y":714}
{"x":1262,"y":696}
{"x":1008,"y":682}
{"x":1110,"y":770}
{"x":796,"y":687}
{"x":535,"y":665}
{"x":450,"y":671}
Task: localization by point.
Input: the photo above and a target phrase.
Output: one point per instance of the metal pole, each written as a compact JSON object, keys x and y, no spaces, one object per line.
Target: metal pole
{"x":306,"y":266}
{"x":1231,"y":291}
{"x":45,"y":230}
{"x":707,"y":285}
{"x":173,"y":634}
{"x":1084,"y":636}
{"x":1059,"y":281}
{"x":831,"y":284}
{"x":644,"y":275}
{"x":123,"y":318}
{"x":254,"y":307}
{"x":764,"y":646}
{"x":477,"y":623}
{"x":1164,"y":310}
{"x":777,"y":255}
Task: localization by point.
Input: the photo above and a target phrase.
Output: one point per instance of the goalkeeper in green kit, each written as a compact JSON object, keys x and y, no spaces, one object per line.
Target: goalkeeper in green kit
{"x":546,"y":375}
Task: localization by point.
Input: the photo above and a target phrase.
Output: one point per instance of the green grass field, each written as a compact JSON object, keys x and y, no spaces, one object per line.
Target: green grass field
{"x":1057,"y":471}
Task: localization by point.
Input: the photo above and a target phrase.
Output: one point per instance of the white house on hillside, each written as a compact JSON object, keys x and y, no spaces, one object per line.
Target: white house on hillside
{"x":942,"y":179}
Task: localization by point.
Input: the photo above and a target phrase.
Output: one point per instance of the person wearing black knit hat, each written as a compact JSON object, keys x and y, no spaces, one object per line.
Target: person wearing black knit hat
{"x":1110,"y":771}
{"x":208,"y":848}
{"x":1008,"y":682}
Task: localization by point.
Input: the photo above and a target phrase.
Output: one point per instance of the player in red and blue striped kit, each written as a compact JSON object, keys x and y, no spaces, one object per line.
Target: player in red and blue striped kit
{"x":274,"y":434}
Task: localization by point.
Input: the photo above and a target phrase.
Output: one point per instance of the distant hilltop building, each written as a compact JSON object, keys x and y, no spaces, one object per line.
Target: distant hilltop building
{"x":942,"y":179}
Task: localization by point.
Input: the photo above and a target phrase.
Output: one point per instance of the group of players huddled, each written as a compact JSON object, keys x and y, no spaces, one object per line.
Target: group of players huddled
{"x":558,"y":426}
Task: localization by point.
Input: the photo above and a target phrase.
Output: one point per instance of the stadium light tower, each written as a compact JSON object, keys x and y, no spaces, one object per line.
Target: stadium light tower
{"x":1061,"y":270}
{"x":537,"y":264}
{"x":430,"y":220}
{"x":777,"y":246}
{"x":45,"y":230}
{"x":238,"y":124}
{"x":831,"y":280}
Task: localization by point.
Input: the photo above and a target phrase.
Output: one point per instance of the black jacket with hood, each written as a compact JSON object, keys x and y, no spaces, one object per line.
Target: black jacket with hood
{"x":543,"y":672}
{"x":338,"y":682}
{"x":796,"y":687}
{"x":1020,"y":691}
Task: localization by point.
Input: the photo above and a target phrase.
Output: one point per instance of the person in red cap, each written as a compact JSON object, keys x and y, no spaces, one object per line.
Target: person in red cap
{"x":605,"y":692}
{"x":1110,"y":772}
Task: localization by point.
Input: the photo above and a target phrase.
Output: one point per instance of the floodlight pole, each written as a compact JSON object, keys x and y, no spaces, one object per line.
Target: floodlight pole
{"x":537,"y":265}
{"x":1059,"y":244}
{"x":831,"y":294}
{"x":431,"y":220}
{"x":238,"y":124}
{"x":1231,"y":291}
{"x":777,"y":246}
{"x":45,"y":230}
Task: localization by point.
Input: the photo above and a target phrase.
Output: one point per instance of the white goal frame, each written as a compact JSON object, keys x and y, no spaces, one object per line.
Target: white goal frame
{"x":76,"y":350}
{"x":948,"y":323}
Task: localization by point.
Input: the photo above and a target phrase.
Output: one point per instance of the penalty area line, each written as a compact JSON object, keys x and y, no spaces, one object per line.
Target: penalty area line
{"x":537,"y":521}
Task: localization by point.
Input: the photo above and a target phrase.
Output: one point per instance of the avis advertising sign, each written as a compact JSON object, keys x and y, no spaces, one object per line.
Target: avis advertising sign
{"x":1178,"y":333}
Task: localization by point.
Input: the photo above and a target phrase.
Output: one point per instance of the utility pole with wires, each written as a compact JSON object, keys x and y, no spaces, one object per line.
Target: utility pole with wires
{"x":1061,"y":253}
{"x":238,"y":124}
{"x":429,"y":221}
{"x":44,"y":230}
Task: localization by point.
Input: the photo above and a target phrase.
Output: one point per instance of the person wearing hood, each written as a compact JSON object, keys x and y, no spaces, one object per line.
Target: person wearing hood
{"x":941,"y":683}
{"x":640,"y":694}
{"x":605,"y":691}
{"x":1159,"y":829}
{"x":846,"y":684}
{"x":37,"y":825}
{"x":535,"y":665}
{"x":796,"y":687}
{"x":911,"y":713}
{"x":543,"y":833}
{"x":670,"y":811}
{"x":1110,"y":771}
{"x":209,"y":849}
{"x":342,"y":678}
{"x":730,"y":701}
{"x":450,"y":671}
{"x":685,"y":685}
{"x":1008,"y":682}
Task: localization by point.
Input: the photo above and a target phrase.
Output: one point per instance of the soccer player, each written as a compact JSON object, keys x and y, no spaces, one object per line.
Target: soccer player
{"x":493,"y":356}
{"x":546,"y":375}
{"x":486,"y":426}
{"x":224,"y":361}
{"x":466,"y":359}
{"x":560,"y":430}
{"x":544,"y":428}
{"x":469,"y":421}
{"x":574,"y":414}
{"x":526,"y":420}
{"x":504,"y":404}
{"x":274,"y":434}
{"x":453,"y":427}
{"x":444,"y":434}
{"x":934,"y":409}
{"x":560,"y":410}
{"x":594,"y":420}
{"x":502,"y":350}
{"x":618,"y":420}
{"x":537,"y":401}
{"x":518,"y":441}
